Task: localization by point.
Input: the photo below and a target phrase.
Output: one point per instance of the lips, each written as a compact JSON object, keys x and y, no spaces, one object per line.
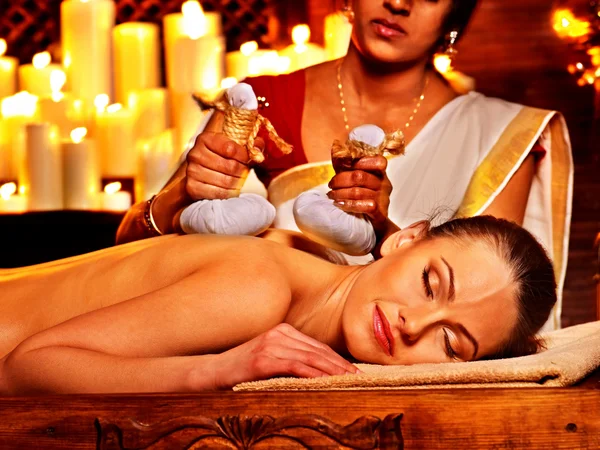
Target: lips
{"x":382,"y":331}
{"x":387,"y":28}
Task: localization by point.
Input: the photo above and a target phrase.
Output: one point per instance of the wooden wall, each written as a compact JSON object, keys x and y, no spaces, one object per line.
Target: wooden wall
{"x":512,"y":51}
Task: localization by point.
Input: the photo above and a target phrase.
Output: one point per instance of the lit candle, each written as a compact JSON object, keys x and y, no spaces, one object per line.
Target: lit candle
{"x":9,"y":202}
{"x":191,"y":21}
{"x":58,"y":108}
{"x":8,"y":72}
{"x":81,"y":171}
{"x":42,"y":180}
{"x":238,"y":62}
{"x":35,"y":77}
{"x":459,"y":82}
{"x":186,"y":117}
{"x":154,"y":164}
{"x":115,"y":134}
{"x":150,"y":110}
{"x":303,"y":54}
{"x":268,"y":63}
{"x":17,"y":111}
{"x":86,"y":35}
{"x":114,"y":199}
{"x":338,"y":32}
{"x":137,"y":58}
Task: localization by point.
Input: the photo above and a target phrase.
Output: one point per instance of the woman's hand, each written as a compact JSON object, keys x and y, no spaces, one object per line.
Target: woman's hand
{"x":281,"y":351}
{"x":216,"y":167}
{"x":362,"y":187}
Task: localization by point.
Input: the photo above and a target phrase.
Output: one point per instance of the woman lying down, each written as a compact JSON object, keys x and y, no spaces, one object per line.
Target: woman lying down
{"x":197,"y":312}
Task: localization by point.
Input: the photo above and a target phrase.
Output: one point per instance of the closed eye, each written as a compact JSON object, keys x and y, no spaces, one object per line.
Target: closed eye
{"x":426,"y":284}
{"x":449,"y":350}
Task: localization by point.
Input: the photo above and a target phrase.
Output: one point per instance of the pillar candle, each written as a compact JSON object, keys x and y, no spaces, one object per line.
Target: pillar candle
{"x":81,"y":171}
{"x":8,"y":72}
{"x":10,"y":202}
{"x":198,"y":23}
{"x":58,"y":108}
{"x":17,"y":111}
{"x":114,"y":199}
{"x":86,"y":33}
{"x":155,"y":162}
{"x":6,"y":171}
{"x":237,"y":63}
{"x":338,"y":31}
{"x":302,"y":53}
{"x":186,"y":117}
{"x":115,"y":133}
{"x":200,"y":63}
{"x":36,"y":77}
{"x":150,"y":109}
{"x":137,"y":58}
{"x":42,"y":178}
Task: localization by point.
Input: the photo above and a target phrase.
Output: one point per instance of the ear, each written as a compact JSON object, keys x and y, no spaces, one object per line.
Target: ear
{"x":406,"y":235}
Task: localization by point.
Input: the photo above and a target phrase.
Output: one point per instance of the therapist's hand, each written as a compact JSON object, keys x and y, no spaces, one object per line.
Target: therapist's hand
{"x":216,"y":167}
{"x":362,"y":187}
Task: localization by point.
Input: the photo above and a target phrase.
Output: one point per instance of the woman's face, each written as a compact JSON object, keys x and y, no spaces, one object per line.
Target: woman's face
{"x":430,"y":301}
{"x":397,"y":31}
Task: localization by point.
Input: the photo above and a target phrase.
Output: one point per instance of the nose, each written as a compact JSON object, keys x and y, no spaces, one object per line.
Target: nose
{"x":401,"y":7}
{"x":413,"y":322}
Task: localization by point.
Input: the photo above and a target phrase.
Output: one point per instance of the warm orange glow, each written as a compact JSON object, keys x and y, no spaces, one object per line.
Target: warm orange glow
{"x":567,"y":25}
{"x":3,"y":47}
{"x":442,"y":63}
{"x":194,"y":20}
{"x":112,"y":188}
{"x":8,"y":189}
{"x":41,"y":60}
{"x":247,"y":48}
{"x":78,"y":135}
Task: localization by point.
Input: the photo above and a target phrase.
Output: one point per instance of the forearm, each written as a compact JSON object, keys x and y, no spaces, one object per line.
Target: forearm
{"x":169,"y":202}
{"x":73,"y":370}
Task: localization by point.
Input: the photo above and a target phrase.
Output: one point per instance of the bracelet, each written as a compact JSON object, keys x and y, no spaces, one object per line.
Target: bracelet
{"x":149,"y":219}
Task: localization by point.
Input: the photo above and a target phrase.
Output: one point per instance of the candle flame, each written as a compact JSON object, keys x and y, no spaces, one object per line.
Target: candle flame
{"x":567,"y":25}
{"x":20,"y":104}
{"x":114,"y":108}
{"x":194,"y":21}
{"x":101,"y":102}
{"x":228,"y":82}
{"x":8,"y":189}
{"x":3,"y":47}
{"x":112,"y":188}
{"x":57,"y":80}
{"x":78,"y":134}
{"x":301,"y":34}
{"x":442,"y":63}
{"x":41,"y":60}
{"x":247,"y":48}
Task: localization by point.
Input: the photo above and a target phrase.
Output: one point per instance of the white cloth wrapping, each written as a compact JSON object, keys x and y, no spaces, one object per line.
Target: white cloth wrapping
{"x":248,"y":214}
{"x":323,"y":222}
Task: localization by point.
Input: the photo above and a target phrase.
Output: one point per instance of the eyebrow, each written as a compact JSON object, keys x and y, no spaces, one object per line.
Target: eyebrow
{"x":470,"y":337}
{"x":451,"y":295}
{"x":451,"y":290}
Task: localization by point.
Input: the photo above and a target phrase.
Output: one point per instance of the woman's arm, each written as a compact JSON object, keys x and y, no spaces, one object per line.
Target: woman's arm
{"x":510,"y":204}
{"x":169,"y":339}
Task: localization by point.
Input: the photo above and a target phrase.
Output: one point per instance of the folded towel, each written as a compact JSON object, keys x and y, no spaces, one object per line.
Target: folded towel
{"x":571,"y":354}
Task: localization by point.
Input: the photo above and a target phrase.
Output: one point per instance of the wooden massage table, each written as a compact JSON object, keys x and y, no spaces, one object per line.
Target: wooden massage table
{"x":532,"y":418}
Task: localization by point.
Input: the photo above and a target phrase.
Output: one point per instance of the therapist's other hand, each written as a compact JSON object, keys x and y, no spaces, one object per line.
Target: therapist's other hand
{"x":281,"y":351}
{"x":217,"y":167}
{"x":362,"y":187}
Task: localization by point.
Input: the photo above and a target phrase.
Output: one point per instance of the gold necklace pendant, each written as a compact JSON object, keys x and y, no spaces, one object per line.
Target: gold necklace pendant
{"x":419,"y":100}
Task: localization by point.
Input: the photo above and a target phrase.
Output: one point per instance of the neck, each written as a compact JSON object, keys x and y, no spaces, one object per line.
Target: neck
{"x":316,"y":308}
{"x":366,"y":79}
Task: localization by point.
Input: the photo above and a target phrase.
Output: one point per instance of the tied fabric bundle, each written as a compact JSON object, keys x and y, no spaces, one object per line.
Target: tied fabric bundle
{"x":323,"y":222}
{"x":249,"y":214}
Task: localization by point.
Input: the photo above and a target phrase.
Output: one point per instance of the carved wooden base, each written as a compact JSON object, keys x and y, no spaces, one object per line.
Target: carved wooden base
{"x":243,"y":432}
